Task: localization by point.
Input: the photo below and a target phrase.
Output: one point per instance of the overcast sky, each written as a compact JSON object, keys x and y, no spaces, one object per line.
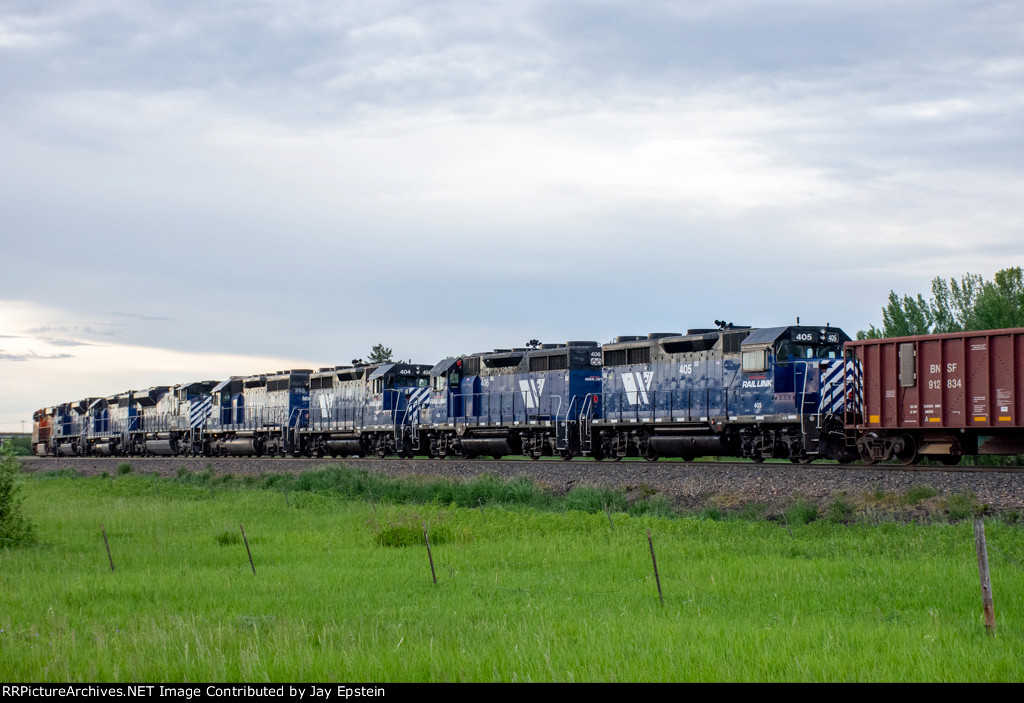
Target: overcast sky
{"x":192,"y":190}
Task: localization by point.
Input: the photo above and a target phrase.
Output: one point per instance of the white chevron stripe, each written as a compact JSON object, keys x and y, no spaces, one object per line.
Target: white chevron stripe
{"x":836,"y":380}
{"x":200,"y":410}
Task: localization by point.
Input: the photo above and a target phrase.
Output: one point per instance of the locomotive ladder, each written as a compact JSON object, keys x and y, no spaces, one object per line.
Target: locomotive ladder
{"x":586,"y":416}
{"x":562,"y":436}
{"x":400,"y":429}
{"x":812,"y":443}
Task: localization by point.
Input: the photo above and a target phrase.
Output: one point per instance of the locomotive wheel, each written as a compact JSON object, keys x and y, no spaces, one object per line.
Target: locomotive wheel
{"x":847,"y":455}
{"x":757,"y":458}
{"x":497,"y":457}
{"x":651,"y":458}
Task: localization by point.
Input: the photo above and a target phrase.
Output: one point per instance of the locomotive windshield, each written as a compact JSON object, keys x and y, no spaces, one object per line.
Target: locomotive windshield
{"x":787,"y":350}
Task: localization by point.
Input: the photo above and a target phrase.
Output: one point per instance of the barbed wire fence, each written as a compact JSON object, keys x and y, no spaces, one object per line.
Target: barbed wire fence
{"x":562,"y":575}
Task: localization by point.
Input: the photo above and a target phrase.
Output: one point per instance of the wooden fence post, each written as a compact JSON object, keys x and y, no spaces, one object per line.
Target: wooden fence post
{"x":429,"y":555}
{"x":654,"y":560}
{"x":247,"y":550}
{"x":104,"y":530}
{"x":787,"y":525}
{"x":986,"y":584}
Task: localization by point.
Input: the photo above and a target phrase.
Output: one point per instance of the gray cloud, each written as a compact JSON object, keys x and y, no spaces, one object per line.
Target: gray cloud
{"x":86,"y":330}
{"x":31,"y":356}
{"x":147,"y":318}
{"x":306,"y":179}
{"x":68,"y":343}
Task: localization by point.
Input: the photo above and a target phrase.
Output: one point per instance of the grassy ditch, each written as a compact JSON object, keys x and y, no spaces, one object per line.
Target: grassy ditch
{"x":920,"y":503}
{"x":343,"y":589}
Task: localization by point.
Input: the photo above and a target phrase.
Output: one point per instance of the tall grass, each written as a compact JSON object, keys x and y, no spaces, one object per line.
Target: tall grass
{"x":523,"y":595}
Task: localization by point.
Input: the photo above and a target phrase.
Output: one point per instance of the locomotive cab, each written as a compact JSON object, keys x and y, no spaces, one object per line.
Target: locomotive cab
{"x":791,"y":379}
{"x":396,"y":394}
{"x":366,"y":409}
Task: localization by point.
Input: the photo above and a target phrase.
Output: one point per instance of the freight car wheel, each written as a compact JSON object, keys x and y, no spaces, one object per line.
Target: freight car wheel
{"x":907,"y":453}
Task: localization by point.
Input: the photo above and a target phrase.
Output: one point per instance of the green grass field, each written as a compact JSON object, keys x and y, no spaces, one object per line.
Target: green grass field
{"x":523,"y":593}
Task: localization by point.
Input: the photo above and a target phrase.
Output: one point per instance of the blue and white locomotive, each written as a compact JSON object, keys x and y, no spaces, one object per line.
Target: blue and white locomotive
{"x":365,"y":410}
{"x":734,"y":391}
{"x":730,"y":391}
{"x":174,"y":419}
{"x":523,"y":401}
{"x":258,"y":414}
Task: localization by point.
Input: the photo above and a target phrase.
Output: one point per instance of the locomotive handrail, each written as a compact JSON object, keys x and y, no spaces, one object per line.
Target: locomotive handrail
{"x":558,"y":410}
{"x":680,"y":405}
{"x":339,"y":415}
{"x":490,"y":417}
{"x":568,"y":410}
{"x":803,"y":395}
{"x":584,"y":418}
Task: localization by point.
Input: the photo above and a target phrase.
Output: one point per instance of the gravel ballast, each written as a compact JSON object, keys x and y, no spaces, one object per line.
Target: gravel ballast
{"x":686,"y":484}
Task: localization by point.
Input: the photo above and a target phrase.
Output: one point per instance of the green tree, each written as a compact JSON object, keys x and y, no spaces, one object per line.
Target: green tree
{"x":972,"y":303}
{"x":1000,"y":303}
{"x":380,"y":355}
{"x":954,"y":302}
{"x":15,"y":528}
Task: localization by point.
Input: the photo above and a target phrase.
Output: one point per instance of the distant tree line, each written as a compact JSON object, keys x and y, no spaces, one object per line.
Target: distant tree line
{"x":972,"y":303}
